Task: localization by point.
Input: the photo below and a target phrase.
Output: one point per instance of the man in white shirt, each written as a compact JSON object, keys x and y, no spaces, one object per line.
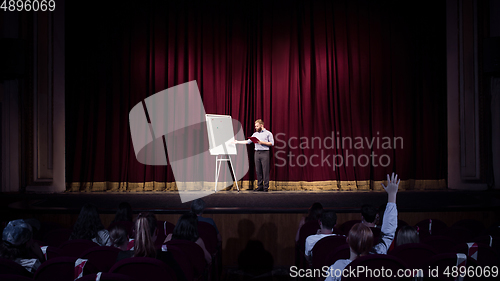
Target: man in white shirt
{"x":327,"y":223}
{"x":261,"y":158}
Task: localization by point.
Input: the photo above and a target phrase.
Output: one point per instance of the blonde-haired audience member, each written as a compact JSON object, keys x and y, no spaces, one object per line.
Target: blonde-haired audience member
{"x":144,"y":246}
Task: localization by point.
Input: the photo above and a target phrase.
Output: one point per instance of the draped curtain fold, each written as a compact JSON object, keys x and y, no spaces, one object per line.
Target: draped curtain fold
{"x":340,"y":84}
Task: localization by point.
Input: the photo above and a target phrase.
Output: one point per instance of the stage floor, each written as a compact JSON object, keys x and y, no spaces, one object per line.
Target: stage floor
{"x":253,"y":202}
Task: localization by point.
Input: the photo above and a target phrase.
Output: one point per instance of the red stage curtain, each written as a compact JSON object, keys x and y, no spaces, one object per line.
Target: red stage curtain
{"x":310,"y":69}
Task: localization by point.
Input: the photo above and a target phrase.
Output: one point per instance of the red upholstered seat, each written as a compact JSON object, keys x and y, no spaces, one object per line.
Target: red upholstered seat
{"x":341,"y":252}
{"x":441,"y":244}
{"x":208,"y":233}
{"x":413,"y":254}
{"x":431,"y":227}
{"x":10,"y":267}
{"x":182,"y":259}
{"x":103,"y":257}
{"x":140,"y":268}
{"x":195,"y":255}
{"x":486,"y":255}
{"x":53,"y":252}
{"x":346,"y":226}
{"x":61,"y":268}
{"x":75,"y":248}
{"x":324,"y":247}
{"x":308,"y":228}
{"x":56,"y":237}
{"x":475,"y":226}
{"x":164,"y":228}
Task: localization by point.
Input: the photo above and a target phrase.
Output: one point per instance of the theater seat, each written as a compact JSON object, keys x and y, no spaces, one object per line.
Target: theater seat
{"x":141,"y":268}
{"x":324,"y":247}
{"x":441,"y":244}
{"x":413,"y":254}
{"x":10,"y":267}
{"x":61,"y":268}
{"x":75,"y":248}
{"x":103,"y":257}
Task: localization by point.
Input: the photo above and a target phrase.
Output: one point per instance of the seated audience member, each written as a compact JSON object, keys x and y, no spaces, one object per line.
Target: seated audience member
{"x":197,"y":207}
{"x":360,"y":238}
{"x":406,"y":235}
{"x":124,"y":213}
{"x":88,"y":226}
{"x":327,"y":223}
{"x":314,"y":214}
{"x":17,"y":245}
{"x":145,"y":236}
{"x":369,"y":215}
{"x":187,"y":229}
{"x":119,"y":238}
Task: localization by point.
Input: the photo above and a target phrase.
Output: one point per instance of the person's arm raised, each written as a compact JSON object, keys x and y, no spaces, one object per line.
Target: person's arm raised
{"x":391,"y":188}
{"x":390,"y":220}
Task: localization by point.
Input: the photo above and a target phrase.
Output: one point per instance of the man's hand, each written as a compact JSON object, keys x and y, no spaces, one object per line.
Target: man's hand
{"x":266,"y":143}
{"x":392,"y":187}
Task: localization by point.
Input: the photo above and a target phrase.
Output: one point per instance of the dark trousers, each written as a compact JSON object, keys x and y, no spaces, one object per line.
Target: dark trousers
{"x":262,"y":168}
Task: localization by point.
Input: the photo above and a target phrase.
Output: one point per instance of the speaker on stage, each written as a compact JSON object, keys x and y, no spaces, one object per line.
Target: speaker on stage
{"x":13,"y":58}
{"x":491,"y":54}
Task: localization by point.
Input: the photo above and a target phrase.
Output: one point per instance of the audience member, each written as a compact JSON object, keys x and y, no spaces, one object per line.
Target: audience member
{"x":124,"y":213}
{"x":89,"y":226}
{"x":198,"y":206}
{"x":145,"y":237}
{"x":406,"y":235}
{"x":369,"y":215}
{"x":327,"y":223}
{"x":17,"y":245}
{"x":187,"y":229}
{"x":119,"y":237}
{"x":360,"y":237}
{"x":314,"y":214}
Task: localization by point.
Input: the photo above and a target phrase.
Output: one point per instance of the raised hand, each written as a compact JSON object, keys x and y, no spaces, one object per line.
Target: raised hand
{"x":392,"y":187}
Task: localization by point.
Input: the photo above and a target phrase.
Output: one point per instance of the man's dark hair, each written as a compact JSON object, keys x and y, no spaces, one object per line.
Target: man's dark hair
{"x":197,"y":206}
{"x":329,"y":219}
{"x":369,"y":213}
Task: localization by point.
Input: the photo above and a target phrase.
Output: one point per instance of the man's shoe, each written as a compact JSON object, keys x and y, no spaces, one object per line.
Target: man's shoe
{"x":259,"y":189}
{"x":266,"y":190}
